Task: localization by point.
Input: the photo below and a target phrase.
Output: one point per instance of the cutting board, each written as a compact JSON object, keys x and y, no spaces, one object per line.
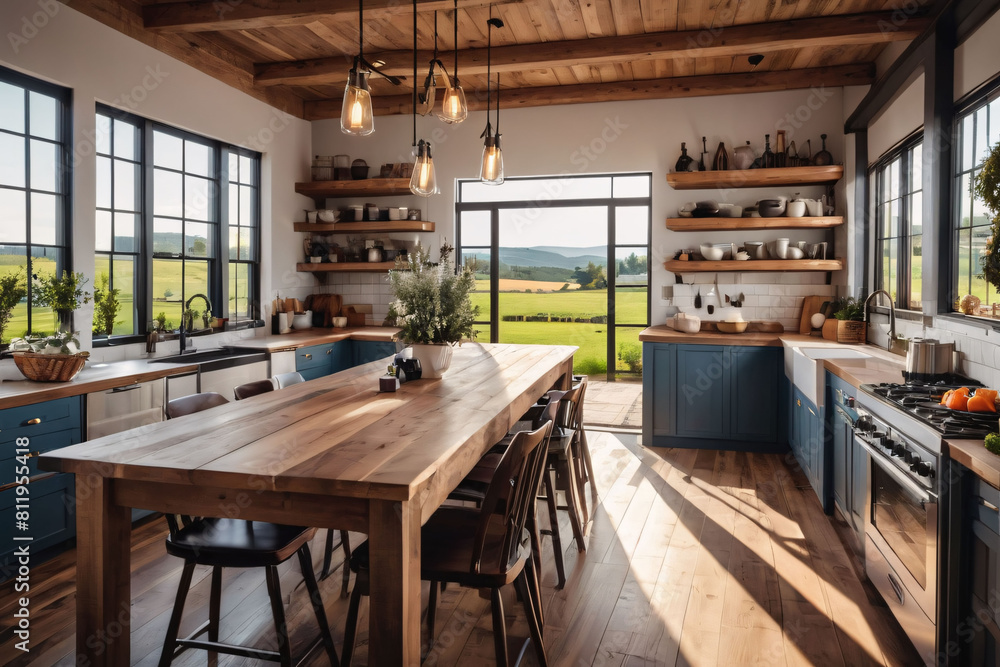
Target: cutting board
{"x":810,"y":306}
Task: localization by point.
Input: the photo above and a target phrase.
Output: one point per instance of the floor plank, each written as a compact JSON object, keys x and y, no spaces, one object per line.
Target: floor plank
{"x":693,"y":558}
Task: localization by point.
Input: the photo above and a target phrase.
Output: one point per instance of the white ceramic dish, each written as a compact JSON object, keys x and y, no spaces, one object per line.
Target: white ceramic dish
{"x":327,"y":215}
{"x":730,"y":211}
{"x":339,"y":322}
{"x":794,"y":253}
{"x":302,"y":320}
{"x":711,"y":253}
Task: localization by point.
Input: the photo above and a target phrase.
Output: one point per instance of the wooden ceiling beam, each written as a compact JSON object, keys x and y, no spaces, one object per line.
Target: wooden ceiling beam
{"x":215,"y":15}
{"x":741,"y":40}
{"x":193,"y":50}
{"x":690,"y":86}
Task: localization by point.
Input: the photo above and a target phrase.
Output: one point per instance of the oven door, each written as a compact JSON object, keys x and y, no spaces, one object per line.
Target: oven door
{"x":902,"y":523}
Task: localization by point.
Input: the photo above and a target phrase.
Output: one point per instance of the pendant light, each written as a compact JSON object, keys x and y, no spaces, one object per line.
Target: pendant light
{"x":453,"y":106}
{"x":491,"y":171}
{"x":423,"y":181}
{"x":425,"y":99}
{"x":356,"y":116}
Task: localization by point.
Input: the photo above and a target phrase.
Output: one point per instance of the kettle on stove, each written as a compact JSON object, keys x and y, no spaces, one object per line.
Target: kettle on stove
{"x":927,"y":358}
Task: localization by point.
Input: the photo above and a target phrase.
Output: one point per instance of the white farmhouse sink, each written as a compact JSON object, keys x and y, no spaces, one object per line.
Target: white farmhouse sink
{"x":804,"y":367}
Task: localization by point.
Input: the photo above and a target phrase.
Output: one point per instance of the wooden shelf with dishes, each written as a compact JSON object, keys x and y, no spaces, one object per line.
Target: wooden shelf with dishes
{"x":332,"y":267}
{"x":721,"y":224}
{"x":683,"y":266}
{"x":755,"y":178}
{"x":374,"y":227}
{"x":369,"y":187}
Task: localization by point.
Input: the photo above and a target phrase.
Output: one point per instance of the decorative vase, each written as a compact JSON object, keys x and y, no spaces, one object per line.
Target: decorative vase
{"x":721,"y":161}
{"x":684,"y":161}
{"x":851,"y":331}
{"x":434,"y":359}
{"x":65,"y":318}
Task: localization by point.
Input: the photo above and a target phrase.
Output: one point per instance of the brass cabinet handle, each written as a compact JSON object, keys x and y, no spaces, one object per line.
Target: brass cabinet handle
{"x":798,"y":403}
{"x":330,"y":351}
{"x":32,"y":422}
{"x":308,"y":356}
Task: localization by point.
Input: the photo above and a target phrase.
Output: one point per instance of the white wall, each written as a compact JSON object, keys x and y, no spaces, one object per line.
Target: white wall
{"x":976,"y":61}
{"x":639,"y":136}
{"x":102,"y":64}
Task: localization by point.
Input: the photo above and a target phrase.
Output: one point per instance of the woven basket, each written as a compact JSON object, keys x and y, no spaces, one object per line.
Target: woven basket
{"x":850,"y":331}
{"x":50,"y":367}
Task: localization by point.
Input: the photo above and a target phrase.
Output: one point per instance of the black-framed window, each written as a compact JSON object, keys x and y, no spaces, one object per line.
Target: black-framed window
{"x":977,"y":129}
{"x":34,"y":188}
{"x":899,"y":223}
{"x":195,"y":206}
{"x":118,"y":216}
{"x":562,"y":259}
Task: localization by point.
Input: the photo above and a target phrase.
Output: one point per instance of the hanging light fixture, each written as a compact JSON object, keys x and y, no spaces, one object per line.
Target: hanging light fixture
{"x":453,"y":106}
{"x":423,"y":181}
{"x":356,"y":112}
{"x":491,"y":171}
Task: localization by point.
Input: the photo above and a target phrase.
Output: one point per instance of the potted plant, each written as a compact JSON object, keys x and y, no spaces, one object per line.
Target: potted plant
{"x":986,"y":187}
{"x":432,"y":307}
{"x":63,"y":294}
{"x":106,"y":305}
{"x":850,"y":314}
{"x":53,"y":358}
{"x":13,"y":288}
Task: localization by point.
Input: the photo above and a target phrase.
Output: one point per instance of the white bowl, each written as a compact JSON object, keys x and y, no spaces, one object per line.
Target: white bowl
{"x":730,"y":211}
{"x":795,"y":209}
{"x":685,"y":210}
{"x":711,"y":253}
{"x":794,"y":253}
{"x":327,"y":215}
{"x":302,"y":320}
{"x":340,"y":322}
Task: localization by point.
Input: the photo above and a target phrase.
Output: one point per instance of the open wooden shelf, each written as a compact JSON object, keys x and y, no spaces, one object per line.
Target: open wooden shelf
{"x":755,"y":178}
{"x":681,"y":266}
{"x":719,"y":224}
{"x":369,"y":187}
{"x":369,"y":267}
{"x":373,"y":227}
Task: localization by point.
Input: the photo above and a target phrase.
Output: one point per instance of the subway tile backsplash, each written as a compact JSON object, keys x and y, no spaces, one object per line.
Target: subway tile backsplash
{"x":763,"y":302}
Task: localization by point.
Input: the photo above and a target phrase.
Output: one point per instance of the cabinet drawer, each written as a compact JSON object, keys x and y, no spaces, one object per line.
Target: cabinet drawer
{"x":52,"y":516}
{"x":314,"y":356}
{"x":55,"y":415}
{"x":42,"y":442}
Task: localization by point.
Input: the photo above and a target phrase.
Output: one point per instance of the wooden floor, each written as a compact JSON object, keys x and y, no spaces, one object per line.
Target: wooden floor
{"x":693,"y":558}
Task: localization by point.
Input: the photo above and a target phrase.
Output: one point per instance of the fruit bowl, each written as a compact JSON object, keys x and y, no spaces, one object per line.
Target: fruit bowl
{"x":732,"y":327}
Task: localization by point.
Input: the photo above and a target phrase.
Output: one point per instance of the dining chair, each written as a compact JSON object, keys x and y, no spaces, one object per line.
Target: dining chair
{"x":254,"y":388}
{"x":288,"y":379}
{"x":187,"y":405}
{"x":481,"y":548}
{"x":236,"y":543}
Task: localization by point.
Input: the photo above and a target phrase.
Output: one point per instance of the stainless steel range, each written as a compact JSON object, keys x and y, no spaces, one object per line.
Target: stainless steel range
{"x":902,"y":427}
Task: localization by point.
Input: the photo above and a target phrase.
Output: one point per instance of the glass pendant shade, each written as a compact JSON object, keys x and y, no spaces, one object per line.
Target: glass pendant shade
{"x":453,"y":106}
{"x":423,"y":182}
{"x":356,"y":114}
{"x":491,"y":172}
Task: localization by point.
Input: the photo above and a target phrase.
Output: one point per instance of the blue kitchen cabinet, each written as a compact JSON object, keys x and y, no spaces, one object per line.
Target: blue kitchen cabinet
{"x":807,"y":440}
{"x":51,"y":509}
{"x":370,"y":350}
{"x":721,"y":396}
{"x":317,"y":361}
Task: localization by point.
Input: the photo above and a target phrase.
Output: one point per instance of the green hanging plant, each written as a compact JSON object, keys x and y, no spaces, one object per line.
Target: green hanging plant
{"x":986,"y":187}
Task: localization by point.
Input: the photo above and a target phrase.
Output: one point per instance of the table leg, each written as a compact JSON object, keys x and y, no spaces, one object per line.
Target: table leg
{"x":394,"y":625}
{"x":103,"y":587}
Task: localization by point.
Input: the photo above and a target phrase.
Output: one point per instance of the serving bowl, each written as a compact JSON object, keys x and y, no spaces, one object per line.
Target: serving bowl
{"x":732,"y":327}
{"x":794,"y":253}
{"x":711,"y":253}
{"x":302,"y":320}
{"x":771,"y":208}
{"x":327,"y":215}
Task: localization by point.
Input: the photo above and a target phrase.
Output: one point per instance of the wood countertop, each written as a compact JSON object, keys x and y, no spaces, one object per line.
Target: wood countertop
{"x":664,"y":334}
{"x":93,"y":377}
{"x":318,"y":336}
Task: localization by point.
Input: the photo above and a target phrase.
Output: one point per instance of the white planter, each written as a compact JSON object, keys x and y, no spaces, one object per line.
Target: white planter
{"x":434,"y":359}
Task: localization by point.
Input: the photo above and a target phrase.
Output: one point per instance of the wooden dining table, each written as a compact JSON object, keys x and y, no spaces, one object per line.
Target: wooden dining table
{"x":332,"y":452}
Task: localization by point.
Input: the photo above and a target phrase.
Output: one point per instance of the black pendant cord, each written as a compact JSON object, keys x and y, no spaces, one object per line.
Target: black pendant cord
{"x":361,"y":30}
{"x":498,"y":107}
{"x":435,"y":37}
{"x":488,"y":132}
{"x":455,"y":68}
{"x":415,"y":71}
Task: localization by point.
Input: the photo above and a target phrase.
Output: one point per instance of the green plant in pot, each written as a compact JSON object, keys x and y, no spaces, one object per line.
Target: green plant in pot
{"x":106,"y":305}
{"x":986,"y":187}
{"x":850,"y":314}
{"x":63,"y":294}
{"x":13,"y":288}
{"x":432,"y":307}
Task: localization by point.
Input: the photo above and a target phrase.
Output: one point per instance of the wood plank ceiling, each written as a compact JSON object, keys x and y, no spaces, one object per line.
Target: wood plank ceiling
{"x":295,"y":54}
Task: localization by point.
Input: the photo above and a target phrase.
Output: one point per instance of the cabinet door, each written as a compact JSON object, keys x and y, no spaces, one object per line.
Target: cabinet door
{"x":313,"y":361}
{"x":702,"y":396}
{"x":369,"y":350}
{"x":841,"y":444}
{"x":754,"y":395}
{"x":658,"y":390}
{"x":813,"y":442}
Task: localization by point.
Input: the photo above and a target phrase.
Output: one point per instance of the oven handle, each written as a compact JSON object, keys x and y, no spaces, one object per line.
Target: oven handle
{"x":897,"y":588}
{"x":844,"y":414}
{"x":922,"y":495}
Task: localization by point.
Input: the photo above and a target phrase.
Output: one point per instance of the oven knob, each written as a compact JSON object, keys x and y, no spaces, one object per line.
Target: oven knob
{"x":878,"y":437}
{"x":909,"y":457}
{"x":898,"y":449}
{"x":922,"y":468}
{"x":850,"y":401}
{"x":864,"y":424}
